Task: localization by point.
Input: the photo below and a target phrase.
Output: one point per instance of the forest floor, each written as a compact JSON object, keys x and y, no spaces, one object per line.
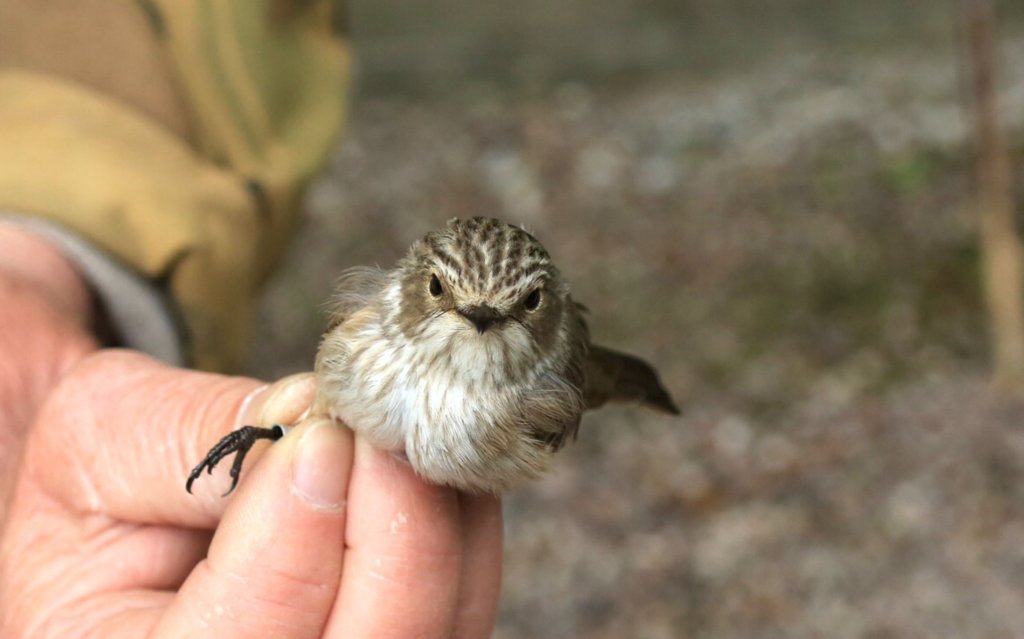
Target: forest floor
{"x":793,"y":247}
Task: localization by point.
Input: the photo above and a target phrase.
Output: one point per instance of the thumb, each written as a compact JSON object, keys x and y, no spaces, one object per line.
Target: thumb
{"x":122,"y":430}
{"x":274,"y":565}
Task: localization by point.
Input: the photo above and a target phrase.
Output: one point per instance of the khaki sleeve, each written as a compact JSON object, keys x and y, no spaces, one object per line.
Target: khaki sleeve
{"x":176,"y":135}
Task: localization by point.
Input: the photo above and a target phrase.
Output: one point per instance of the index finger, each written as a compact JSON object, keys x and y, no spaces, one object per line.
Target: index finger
{"x":120,"y":434}
{"x":403,"y":555}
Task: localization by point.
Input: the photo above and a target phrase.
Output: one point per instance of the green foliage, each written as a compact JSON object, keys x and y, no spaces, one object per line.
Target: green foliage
{"x":912,"y":172}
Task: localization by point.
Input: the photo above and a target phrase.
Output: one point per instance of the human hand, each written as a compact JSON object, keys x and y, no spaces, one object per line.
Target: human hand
{"x":325,"y":536}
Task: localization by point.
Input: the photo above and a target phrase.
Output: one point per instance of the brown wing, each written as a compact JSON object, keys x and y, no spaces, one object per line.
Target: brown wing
{"x":612,"y":376}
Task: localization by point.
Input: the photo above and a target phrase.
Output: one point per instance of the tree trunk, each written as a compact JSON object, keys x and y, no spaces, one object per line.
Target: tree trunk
{"x":1001,"y":254}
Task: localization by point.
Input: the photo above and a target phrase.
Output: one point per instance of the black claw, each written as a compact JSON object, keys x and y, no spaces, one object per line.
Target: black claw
{"x":238,"y":442}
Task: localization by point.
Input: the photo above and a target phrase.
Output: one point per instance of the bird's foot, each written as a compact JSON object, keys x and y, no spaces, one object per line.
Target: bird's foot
{"x":239,"y":442}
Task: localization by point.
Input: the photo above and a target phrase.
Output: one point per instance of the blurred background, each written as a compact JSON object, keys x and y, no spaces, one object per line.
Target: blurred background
{"x":771,"y":201}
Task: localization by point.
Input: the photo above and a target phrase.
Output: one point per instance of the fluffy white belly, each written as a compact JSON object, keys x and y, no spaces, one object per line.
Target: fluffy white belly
{"x":451,"y":409}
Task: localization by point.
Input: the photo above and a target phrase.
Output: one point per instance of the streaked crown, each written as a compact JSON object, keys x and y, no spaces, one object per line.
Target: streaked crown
{"x":488,"y":259}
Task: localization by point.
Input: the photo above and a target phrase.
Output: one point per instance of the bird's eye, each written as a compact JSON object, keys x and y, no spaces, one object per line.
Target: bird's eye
{"x":435,"y":286}
{"x":532,"y":300}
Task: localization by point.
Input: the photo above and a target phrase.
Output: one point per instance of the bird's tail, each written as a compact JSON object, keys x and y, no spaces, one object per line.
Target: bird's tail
{"x":612,"y":376}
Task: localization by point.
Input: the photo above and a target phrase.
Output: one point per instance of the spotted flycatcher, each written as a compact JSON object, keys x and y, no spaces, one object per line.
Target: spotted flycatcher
{"x":469,"y":357}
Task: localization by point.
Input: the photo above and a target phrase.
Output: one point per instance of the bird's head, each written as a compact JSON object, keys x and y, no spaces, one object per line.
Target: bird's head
{"x":483,"y":286}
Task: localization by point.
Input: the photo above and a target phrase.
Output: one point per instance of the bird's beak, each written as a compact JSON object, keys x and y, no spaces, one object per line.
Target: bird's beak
{"x":482,"y":316}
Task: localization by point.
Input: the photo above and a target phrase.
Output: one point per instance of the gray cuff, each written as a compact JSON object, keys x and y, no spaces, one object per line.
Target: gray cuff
{"x":141,"y":315}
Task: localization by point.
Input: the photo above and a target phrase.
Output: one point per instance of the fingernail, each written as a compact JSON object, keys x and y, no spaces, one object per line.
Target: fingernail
{"x":251,"y":406}
{"x":283,"y":402}
{"x":322,"y":460}
{"x":400,"y":457}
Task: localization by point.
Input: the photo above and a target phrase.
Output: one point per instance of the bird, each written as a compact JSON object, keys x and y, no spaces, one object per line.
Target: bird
{"x":470,"y":359}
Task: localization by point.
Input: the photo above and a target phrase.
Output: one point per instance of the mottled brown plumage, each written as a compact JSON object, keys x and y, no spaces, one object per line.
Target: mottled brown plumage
{"x":470,"y":357}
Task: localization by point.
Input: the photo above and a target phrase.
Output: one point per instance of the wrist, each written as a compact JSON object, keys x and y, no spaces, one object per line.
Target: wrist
{"x":45,"y":309}
{"x":33,"y":262}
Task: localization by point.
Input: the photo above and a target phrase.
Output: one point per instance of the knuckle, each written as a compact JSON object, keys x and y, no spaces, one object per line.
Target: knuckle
{"x":69,"y":422}
{"x":91,"y":379}
{"x":275,"y":597}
